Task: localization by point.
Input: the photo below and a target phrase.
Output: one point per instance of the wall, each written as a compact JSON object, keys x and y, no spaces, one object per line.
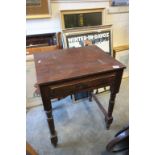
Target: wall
{"x":113,"y":16}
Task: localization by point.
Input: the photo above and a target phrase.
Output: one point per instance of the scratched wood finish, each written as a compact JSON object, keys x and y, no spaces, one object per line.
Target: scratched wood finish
{"x":65,"y":72}
{"x":72,"y":63}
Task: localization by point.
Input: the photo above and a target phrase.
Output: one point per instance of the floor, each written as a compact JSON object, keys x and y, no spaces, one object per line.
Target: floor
{"x":80,"y":126}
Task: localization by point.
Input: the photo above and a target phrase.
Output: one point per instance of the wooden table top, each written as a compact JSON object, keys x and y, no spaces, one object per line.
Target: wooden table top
{"x":73,"y":63}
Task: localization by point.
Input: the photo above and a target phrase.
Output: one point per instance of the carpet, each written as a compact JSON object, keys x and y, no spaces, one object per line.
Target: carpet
{"x":80,"y":126}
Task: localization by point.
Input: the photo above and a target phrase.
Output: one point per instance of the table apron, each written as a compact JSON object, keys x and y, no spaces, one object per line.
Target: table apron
{"x":81,"y":86}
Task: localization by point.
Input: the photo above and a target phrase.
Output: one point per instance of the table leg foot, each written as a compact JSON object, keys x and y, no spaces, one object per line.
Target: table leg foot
{"x":108,"y":121}
{"x":54,"y":140}
{"x":50,"y":120}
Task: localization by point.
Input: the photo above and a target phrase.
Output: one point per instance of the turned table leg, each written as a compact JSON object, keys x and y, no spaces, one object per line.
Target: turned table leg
{"x":50,"y":120}
{"x":114,"y":89}
{"x":48,"y":109}
{"x":109,"y":118}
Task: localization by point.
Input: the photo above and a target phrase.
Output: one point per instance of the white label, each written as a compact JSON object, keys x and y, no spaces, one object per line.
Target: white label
{"x":39,"y":61}
{"x":116,"y":66}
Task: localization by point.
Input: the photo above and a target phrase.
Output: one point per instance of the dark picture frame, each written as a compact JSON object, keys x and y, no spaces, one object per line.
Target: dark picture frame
{"x":98,"y":35}
{"x":105,"y":36}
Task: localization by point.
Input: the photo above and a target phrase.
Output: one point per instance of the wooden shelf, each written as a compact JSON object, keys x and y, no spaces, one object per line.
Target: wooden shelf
{"x":32,"y":50}
{"x":120,"y":49}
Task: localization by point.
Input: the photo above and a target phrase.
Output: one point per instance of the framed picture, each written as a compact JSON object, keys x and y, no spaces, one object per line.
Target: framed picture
{"x":119,"y":2}
{"x":37,"y":9}
{"x":82,"y":17}
{"x":98,"y":35}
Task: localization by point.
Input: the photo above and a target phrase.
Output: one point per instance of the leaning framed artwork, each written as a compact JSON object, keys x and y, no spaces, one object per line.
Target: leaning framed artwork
{"x":37,"y":9}
{"x":98,"y":35}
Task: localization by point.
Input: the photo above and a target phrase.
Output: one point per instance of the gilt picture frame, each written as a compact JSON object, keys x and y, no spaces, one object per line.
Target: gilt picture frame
{"x":37,"y":9}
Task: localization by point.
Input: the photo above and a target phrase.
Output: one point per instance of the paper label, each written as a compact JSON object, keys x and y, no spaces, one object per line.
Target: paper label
{"x":116,"y":66}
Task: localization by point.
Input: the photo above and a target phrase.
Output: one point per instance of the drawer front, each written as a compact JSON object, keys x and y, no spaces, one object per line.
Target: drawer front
{"x":81,"y":85}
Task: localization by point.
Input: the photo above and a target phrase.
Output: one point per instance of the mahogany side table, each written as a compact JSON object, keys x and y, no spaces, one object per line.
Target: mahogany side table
{"x":68,"y":71}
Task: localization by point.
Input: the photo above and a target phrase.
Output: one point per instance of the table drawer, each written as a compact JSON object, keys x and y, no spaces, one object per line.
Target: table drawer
{"x":81,"y":85}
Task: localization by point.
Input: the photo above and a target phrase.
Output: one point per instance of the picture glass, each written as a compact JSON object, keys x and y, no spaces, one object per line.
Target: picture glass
{"x":101,"y":39}
{"x":83,"y":19}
